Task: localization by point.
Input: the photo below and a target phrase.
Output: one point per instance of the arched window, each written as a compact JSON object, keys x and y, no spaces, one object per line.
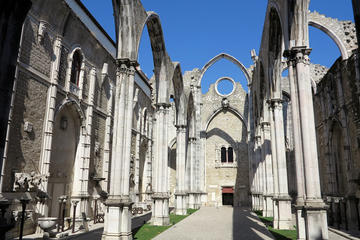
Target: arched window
{"x":144,"y":126}
{"x":76,"y":67}
{"x":223,"y":155}
{"x":230,"y":155}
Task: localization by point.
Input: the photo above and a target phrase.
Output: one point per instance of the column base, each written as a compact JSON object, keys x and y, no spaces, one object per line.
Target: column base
{"x":268,"y":210}
{"x":118,"y":219}
{"x":275,"y":213}
{"x":316,"y":219}
{"x":284,"y":209}
{"x":180,"y":207}
{"x":192,"y":200}
{"x":300,"y":221}
{"x":161,"y":209}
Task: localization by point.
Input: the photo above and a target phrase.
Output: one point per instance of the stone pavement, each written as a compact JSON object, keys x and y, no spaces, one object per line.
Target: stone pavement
{"x":223,"y":223}
{"x":210,"y":223}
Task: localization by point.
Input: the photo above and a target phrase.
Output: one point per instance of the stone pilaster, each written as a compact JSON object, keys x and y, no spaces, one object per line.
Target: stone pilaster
{"x":82,"y":161}
{"x":49,"y":122}
{"x":180,"y":193}
{"x":107,"y":141}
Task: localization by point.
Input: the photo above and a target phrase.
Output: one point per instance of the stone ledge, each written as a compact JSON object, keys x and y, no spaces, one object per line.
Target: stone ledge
{"x":119,"y":202}
{"x":160,"y":195}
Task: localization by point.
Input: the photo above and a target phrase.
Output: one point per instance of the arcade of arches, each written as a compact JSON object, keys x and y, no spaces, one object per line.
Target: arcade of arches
{"x":87,"y":126}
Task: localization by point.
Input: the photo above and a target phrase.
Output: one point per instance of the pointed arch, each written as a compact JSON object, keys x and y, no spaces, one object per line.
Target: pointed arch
{"x":339,"y":43}
{"x":229,"y":58}
{"x":70,"y":102}
{"x":156,"y":36}
{"x":234,"y":111}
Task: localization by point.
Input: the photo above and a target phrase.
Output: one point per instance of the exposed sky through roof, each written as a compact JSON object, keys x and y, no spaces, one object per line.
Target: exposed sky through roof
{"x":196,"y":31}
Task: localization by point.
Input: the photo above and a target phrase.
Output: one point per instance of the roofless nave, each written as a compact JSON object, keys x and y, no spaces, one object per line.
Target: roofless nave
{"x":88,"y":136}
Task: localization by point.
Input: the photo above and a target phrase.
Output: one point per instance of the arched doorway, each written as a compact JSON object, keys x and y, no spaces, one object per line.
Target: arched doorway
{"x":64,"y":150}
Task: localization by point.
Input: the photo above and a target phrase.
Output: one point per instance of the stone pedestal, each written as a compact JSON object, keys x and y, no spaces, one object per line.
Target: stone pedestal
{"x":192,"y":200}
{"x":300,"y":221}
{"x":161,"y":209}
{"x":284,"y":218}
{"x":180,"y":207}
{"x":316,"y":220}
{"x":118,"y":219}
{"x":268,"y":211}
{"x":275,"y":213}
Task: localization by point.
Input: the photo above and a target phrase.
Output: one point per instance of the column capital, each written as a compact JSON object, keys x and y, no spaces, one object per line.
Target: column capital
{"x":299,"y":54}
{"x":276,"y":103}
{"x":264,"y":124}
{"x":162,"y":106}
{"x":180,"y":128}
{"x":192,"y":139}
{"x":126,"y":61}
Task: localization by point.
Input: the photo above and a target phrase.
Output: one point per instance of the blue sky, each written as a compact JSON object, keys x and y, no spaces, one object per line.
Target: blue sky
{"x":196,"y":31}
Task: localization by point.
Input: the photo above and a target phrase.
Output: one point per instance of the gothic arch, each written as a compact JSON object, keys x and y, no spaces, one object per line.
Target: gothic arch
{"x":179,"y":95}
{"x":153,"y":23}
{"x":234,"y":111}
{"x":332,"y":35}
{"x":191,"y":116}
{"x":73,"y":103}
{"x":335,"y":30}
{"x":229,"y":58}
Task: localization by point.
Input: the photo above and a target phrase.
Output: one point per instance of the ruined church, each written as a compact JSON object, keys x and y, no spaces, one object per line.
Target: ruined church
{"x":89,"y":137}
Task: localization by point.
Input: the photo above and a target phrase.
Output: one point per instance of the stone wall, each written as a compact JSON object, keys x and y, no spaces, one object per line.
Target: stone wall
{"x":337,"y":110}
{"x":226,"y":127}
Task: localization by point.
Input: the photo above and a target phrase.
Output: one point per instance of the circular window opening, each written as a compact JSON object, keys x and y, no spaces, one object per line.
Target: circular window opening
{"x":225,"y":86}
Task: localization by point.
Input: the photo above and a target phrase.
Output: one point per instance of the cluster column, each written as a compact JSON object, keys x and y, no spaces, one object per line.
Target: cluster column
{"x":180,"y":193}
{"x":257,"y":177}
{"x":282,"y":199}
{"x":310,"y":204}
{"x":161,"y":195}
{"x":118,"y":213}
{"x":269,"y":181}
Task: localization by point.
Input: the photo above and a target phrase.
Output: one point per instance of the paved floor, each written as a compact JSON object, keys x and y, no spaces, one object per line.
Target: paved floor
{"x":223,"y":223}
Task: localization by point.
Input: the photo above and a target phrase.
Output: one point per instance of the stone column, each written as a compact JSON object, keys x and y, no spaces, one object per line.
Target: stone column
{"x":180,"y":193}
{"x":137,"y":159}
{"x":193,"y":191}
{"x":257,"y":173}
{"x":49,"y":122}
{"x":118,"y":215}
{"x":268,"y":194}
{"x":300,"y":200}
{"x":283,"y":199}
{"x":149,"y":160}
{"x":161,"y":195}
{"x":262,"y":181}
{"x":107,"y":141}
{"x":274,"y":169}
{"x":314,"y":207}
